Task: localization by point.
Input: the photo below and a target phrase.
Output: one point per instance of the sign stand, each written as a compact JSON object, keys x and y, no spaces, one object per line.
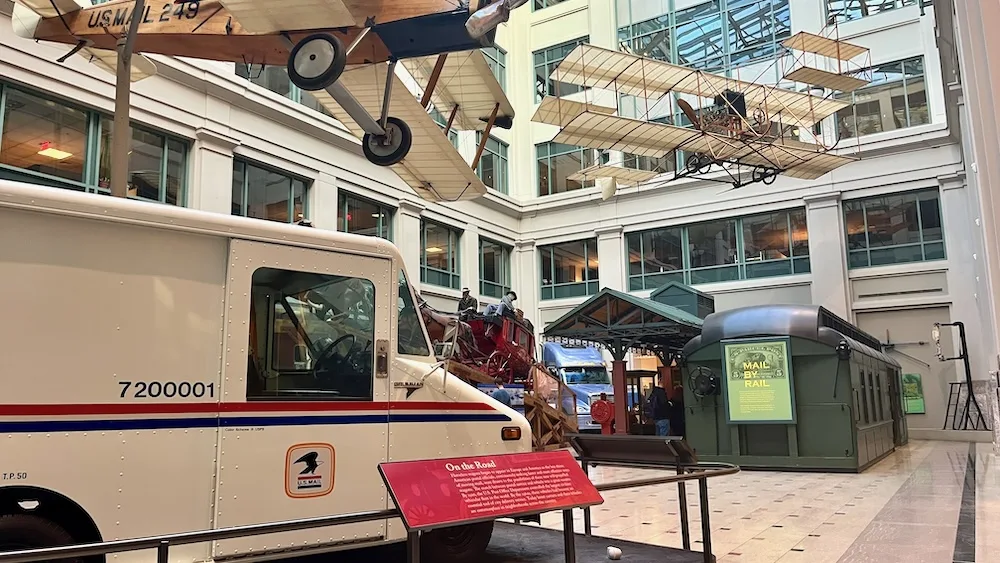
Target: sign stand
{"x":443,"y":493}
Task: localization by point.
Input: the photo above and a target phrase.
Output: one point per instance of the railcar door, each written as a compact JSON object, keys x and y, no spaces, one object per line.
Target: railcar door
{"x":304,"y":413}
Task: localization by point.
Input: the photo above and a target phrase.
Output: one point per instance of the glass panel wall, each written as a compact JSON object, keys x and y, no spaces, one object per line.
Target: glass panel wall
{"x":50,"y":142}
{"x":275,"y":78}
{"x":439,"y":255}
{"x":493,"y":165}
{"x":546,"y":60}
{"x":494,"y":268}
{"x":263,"y":192}
{"x":895,"y":99}
{"x":556,"y":162}
{"x":840,"y":11}
{"x":773,"y":244}
{"x":569,"y":269}
{"x":497,"y":59}
{"x":364,"y":217}
{"x":894,"y":229}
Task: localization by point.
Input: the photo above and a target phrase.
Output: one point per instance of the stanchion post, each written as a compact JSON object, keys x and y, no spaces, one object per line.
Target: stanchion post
{"x":706,"y":514}
{"x":586,"y":511}
{"x":569,"y":539}
{"x":163,"y":552}
{"x":683,"y":508}
{"x":412,"y":547}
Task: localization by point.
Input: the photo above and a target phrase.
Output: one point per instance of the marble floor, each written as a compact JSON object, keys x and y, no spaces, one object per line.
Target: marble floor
{"x":913,"y":507}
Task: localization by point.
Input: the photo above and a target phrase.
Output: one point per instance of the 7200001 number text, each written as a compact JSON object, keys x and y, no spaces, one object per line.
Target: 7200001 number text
{"x":169,"y":389}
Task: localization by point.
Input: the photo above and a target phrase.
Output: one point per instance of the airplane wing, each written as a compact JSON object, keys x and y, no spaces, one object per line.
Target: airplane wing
{"x":270,"y":16}
{"x":27,"y":14}
{"x":597,"y":67}
{"x":618,"y":173}
{"x":465,"y":81}
{"x":583,"y":126}
{"x":433,"y":167}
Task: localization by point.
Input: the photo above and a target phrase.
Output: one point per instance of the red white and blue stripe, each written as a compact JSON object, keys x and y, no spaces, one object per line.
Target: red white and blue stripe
{"x":178,"y":415}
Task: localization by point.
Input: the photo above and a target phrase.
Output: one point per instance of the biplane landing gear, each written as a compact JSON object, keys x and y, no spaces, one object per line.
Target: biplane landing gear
{"x":388,"y":149}
{"x":316,"y":62}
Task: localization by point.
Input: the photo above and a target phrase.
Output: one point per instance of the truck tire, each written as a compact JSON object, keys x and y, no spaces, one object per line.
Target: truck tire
{"x":460,"y":544}
{"x":26,"y":531}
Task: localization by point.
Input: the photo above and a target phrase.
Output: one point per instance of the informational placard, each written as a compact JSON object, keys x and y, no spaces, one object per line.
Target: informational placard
{"x":758,"y":381}
{"x":913,"y":394}
{"x":438,"y":493}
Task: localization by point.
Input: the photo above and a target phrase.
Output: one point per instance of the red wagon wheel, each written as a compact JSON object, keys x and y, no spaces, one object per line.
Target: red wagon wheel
{"x":497,"y":367}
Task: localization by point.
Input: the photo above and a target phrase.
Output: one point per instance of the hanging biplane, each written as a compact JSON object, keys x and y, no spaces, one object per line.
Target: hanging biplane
{"x":344,"y":52}
{"x":746,"y":129}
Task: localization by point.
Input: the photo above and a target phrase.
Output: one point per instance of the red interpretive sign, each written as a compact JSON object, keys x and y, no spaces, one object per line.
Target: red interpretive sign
{"x":445,"y":492}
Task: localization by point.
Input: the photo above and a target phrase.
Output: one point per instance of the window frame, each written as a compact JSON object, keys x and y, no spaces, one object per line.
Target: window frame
{"x":496,"y":58}
{"x":439,"y":118}
{"x":295,"y":94}
{"x":798,"y":264}
{"x":547,"y":61}
{"x":454,"y":243}
{"x":591,"y":286}
{"x":593,"y":158}
{"x":499,"y":156}
{"x":923,"y":244}
{"x":545,"y":4}
{"x":307,"y":187}
{"x":92,"y":150}
{"x":831,"y":19}
{"x":904,"y":80}
{"x":385,"y":220}
{"x":502,"y":286}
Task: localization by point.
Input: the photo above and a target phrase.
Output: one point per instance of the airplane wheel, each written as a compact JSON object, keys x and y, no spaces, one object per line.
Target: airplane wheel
{"x":316,"y":62}
{"x":392,"y":147}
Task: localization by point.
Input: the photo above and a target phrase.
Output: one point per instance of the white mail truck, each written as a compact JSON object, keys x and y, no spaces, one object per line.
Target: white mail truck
{"x":165,"y":370}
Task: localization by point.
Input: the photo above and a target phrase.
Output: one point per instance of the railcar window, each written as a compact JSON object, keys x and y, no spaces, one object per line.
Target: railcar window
{"x":311,"y":336}
{"x":410,"y":338}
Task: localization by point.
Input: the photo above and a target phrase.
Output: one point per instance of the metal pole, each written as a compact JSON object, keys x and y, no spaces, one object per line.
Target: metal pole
{"x":163,"y":552}
{"x":683,"y":506}
{"x":569,"y":539}
{"x":586,"y":511}
{"x":706,"y":527}
{"x":413,"y":547}
{"x":121,"y":134}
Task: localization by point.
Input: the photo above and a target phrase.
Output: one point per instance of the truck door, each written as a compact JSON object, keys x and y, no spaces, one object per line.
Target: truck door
{"x":304,"y":414}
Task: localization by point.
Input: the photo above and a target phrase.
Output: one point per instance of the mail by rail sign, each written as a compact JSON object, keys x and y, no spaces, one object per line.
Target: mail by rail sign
{"x":758,"y":381}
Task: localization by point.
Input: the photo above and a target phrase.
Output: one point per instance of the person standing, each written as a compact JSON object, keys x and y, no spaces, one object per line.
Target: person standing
{"x":501,"y":394}
{"x":659,"y":407}
{"x":467,"y":302}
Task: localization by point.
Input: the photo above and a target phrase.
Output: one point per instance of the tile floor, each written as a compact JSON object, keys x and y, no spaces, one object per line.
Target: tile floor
{"x":906,"y":509}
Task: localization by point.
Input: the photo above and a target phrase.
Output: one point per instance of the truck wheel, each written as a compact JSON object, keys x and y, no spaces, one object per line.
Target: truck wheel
{"x":460,"y":544}
{"x":26,"y":531}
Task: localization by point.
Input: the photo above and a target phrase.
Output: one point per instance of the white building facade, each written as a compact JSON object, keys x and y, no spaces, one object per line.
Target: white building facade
{"x":886,"y":242}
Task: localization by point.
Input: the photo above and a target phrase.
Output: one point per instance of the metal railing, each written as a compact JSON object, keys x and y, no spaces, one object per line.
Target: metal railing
{"x":163,"y":543}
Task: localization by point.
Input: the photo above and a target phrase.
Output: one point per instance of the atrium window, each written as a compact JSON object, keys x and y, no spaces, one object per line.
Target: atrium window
{"x":442,"y":122}
{"x":494,"y":268}
{"x":840,"y":11}
{"x":546,"y":61}
{"x":894,"y":229}
{"x":275,"y":78}
{"x":363,"y":217}
{"x":267,"y":193}
{"x":556,"y":162}
{"x":539,"y":4}
{"x":439,"y":255}
{"x":713,"y":36}
{"x":497,"y":59}
{"x":649,"y":163}
{"x":569,"y":269}
{"x":48,"y":142}
{"x":895,"y":99}
{"x":493,"y":165}
{"x":774,"y":244}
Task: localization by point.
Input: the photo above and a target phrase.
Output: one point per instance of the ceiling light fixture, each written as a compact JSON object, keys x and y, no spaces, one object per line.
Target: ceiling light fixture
{"x":52,"y":153}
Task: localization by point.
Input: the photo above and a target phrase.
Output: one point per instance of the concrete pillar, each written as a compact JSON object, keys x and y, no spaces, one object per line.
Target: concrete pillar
{"x":611,"y":268}
{"x":323,"y":202}
{"x":978,"y":45}
{"x":525,"y":280}
{"x":828,"y":251}
{"x":406,"y":235}
{"x":210,"y":188}
{"x":468,"y":260}
{"x":963,"y":250}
